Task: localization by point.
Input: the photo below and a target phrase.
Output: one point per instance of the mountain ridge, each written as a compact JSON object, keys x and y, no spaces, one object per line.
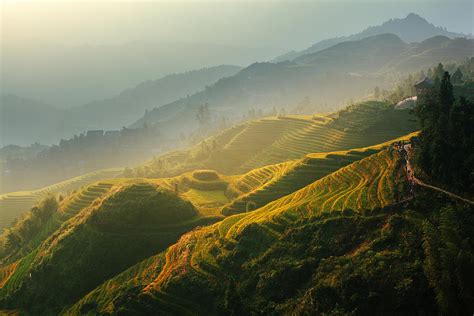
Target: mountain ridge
{"x":404,"y":28}
{"x":359,"y":65}
{"x":107,"y":114}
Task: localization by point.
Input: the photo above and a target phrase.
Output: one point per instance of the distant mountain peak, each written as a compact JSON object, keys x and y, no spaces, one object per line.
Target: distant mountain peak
{"x":412,"y":28}
{"x":414,"y":16}
{"x":411,"y":20}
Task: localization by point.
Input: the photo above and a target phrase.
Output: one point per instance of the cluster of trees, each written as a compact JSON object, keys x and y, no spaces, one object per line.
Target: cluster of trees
{"x":80,"y":154}
{"x":449,"y":259}
{"x":405,"y":88}
{"x":446,"y":147}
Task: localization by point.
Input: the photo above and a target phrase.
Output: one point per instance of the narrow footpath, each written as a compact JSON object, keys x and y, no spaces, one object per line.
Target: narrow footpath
{"x":406,"y":151}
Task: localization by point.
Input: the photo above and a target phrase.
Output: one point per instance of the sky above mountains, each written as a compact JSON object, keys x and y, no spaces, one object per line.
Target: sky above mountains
{"x":68,"y":53}
{"x":276,"y":25}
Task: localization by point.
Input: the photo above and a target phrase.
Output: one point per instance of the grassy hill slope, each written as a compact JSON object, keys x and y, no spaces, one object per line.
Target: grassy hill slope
{"x":210,"y":259}
{"x":343,"y":244}
{"x":126,"y":224}
{"x":287,"y":178}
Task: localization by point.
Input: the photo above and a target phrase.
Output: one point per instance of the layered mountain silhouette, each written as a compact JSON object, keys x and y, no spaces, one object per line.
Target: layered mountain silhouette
{"x":412,"y":28}
{"x":22,"y":116}
{"x":357,"y":66}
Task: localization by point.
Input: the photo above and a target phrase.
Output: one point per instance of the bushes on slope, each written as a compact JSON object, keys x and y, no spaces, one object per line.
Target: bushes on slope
{"x":28,"y":227}
{"x":123,"y":228}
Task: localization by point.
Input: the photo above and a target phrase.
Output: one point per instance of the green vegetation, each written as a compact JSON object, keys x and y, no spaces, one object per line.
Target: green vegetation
{"x":278,"y":139}
{"x":321,"y":226}
{"x":259,"y":188}
{"x":124,"y":226}
{"x":318,"y":250}
{"x":29,"y":228}
{"x":446,"y":150}
{"x":13,"y":205}
{"x":448,"y":246}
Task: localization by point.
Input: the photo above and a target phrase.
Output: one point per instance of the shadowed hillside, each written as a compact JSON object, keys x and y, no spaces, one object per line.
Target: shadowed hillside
{"x":127,"y":223}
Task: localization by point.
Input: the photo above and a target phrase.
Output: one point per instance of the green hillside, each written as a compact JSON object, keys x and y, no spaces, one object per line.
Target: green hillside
{"x":348,"y":209}
{"x":342,"y":243}
{"x":227,"y":261}
{"x":131,"y":221}
{"x":287,"y":178}
{"x":13,"y":205}
{"x":326,"y":212}
{"x":110,"y":213}
{"x":278,"y":139}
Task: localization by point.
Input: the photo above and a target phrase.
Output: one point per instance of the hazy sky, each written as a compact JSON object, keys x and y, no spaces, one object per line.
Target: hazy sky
{"x":280,"y":24}
{"x":39,"y":57}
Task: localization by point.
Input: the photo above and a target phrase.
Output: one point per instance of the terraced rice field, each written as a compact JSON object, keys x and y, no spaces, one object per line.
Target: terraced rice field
{"x":247,"y":143}
{"x":6,"y":273}
{"x":363,"y":185}
{"x":315,"y":138}
{"x":85,"y":196}
{"x":268,"y":184}
{"x":274,"y":140}
{"x":263,"y":185}
{"x":12,"y":205}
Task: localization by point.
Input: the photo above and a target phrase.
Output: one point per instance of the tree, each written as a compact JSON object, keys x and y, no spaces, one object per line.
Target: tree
{"x":429,"y":74}
{"x":128,"y":172}
{"x":203,"y":115}
{"x":449,"y":261}
{"x":446,"y":147}
{"x":457,"y":76}
{"x":438,"y":71}
{"x":282,"y":112}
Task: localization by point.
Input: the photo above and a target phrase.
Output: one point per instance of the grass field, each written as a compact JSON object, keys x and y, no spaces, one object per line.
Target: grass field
{"x":12,"y":205}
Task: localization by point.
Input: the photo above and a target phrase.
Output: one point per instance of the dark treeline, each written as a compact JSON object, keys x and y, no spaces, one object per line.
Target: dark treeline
{"x":449,"y":258}
{"x":87,"y":152}
{"x":462,"y":74}
{"x":446,"y":149}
